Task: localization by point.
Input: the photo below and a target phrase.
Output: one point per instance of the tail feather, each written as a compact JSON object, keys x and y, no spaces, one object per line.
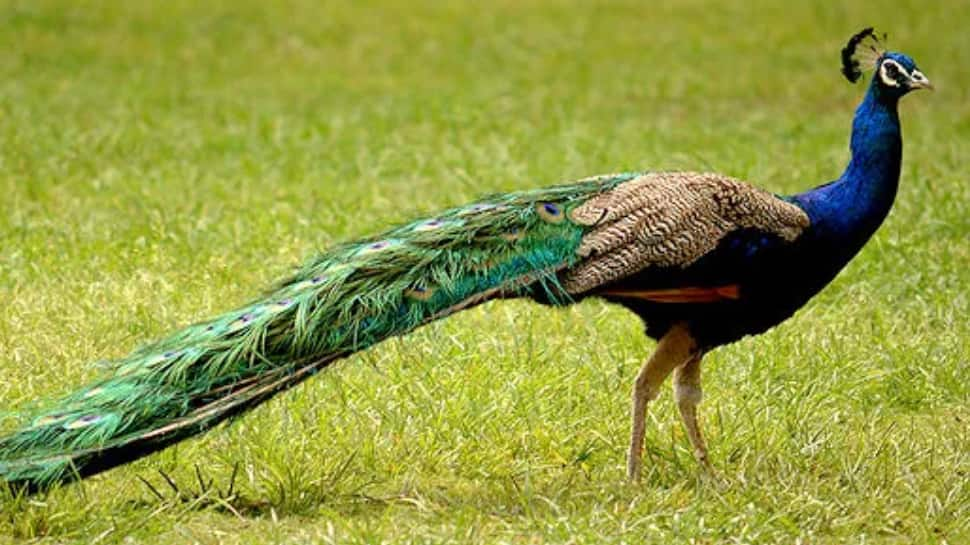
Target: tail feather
{"x":344,"y":301}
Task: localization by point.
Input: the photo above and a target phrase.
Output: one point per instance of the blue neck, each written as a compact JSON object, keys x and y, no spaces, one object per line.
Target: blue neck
{"x":852,"y":207}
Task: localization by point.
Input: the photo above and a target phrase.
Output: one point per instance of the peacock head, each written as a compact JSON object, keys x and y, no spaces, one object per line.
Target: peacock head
{"x":895,"y":73}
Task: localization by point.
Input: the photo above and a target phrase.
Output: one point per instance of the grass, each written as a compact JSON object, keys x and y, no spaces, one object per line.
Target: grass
{"x":162,"y":161}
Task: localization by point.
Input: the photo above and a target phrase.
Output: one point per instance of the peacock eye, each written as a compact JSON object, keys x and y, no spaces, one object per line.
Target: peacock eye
{"x":892,"y":70}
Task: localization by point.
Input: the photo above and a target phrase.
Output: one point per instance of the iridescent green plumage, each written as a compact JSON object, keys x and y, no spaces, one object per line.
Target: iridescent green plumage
{"x":343,"y":301}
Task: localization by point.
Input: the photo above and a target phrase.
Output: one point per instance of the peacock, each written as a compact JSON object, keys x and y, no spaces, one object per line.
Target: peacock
{"x":703,"y":259}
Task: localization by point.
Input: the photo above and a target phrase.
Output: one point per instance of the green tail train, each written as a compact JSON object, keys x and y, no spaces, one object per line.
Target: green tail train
{"x":340,"y":302}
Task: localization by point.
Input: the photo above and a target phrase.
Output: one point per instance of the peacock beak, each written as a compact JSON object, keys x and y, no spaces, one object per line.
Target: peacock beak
{"x":918,"y":81}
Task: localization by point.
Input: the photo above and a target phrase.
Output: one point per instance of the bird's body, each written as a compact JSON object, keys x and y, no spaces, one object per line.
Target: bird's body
{"x":702,"y":258}
{"x":774,"y":277}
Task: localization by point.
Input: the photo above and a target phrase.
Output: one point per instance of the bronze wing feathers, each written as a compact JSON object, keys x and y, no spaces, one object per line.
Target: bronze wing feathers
{"x":670,"y":219}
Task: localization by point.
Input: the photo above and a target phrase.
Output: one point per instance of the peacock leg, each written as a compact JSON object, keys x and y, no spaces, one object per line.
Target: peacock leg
{"x":674,"y":349}
{"x":687,"y":392}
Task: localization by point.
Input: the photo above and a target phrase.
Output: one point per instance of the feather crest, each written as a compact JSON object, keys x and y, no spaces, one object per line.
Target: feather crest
{"x":861,"y":52}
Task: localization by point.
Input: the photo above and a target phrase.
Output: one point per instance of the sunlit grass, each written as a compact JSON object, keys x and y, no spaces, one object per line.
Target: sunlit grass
{"x":160,"y":162}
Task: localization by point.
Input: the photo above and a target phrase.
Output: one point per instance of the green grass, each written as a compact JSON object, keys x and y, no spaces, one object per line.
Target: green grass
{"x":162,"y":162}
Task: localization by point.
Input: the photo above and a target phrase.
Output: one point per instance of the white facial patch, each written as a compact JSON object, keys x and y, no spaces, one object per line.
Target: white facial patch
{"x":889,"y":70}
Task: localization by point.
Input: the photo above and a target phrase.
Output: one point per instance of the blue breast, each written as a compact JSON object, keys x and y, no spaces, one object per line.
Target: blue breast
{"x":777,"y":277}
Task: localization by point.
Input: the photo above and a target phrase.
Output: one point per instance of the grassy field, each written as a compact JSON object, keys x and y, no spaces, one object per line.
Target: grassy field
{"x":160,"y":162}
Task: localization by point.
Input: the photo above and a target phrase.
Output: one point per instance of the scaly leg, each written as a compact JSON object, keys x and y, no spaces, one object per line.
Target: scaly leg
{"x":674,"y":349}
{"x":687,"y":392}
